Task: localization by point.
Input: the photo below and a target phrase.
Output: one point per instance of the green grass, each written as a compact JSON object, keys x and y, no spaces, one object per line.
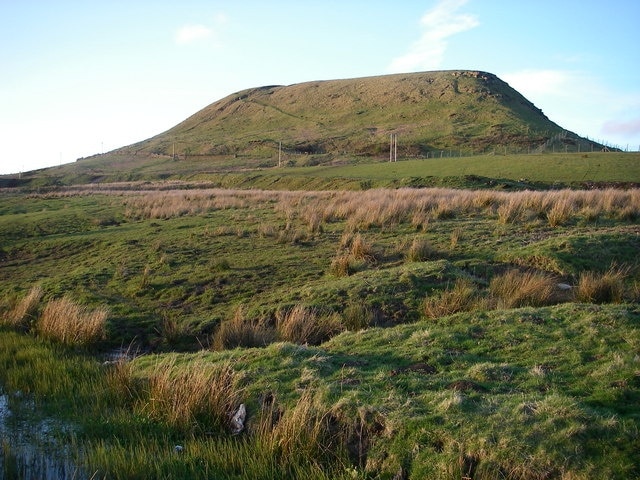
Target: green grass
{"x":546,"y":169}
{"x":489,"y":392}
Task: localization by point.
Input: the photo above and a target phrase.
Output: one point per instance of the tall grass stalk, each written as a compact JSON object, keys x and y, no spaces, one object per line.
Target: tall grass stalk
{"x":70,"y":323}
{"x":199,"y":398}
{"x":23,"y":314}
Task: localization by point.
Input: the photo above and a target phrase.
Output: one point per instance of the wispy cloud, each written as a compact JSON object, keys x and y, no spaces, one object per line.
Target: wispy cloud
{"x":192,"y":33}
{"x":438,"y":24}
{"x":188,"y":34}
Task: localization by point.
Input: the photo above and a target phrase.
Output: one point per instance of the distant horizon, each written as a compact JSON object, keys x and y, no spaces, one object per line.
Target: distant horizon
{"x":83,"y":79}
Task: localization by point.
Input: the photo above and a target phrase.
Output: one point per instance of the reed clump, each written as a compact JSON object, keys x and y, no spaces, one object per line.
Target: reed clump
{"x":66,"y":321}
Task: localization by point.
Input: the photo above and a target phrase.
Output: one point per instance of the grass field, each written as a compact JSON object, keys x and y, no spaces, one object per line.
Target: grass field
{"x":386,"y":333}
{"x":322,"y":172}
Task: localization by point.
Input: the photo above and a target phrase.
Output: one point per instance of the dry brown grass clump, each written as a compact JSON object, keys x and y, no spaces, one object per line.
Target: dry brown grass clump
{"x":463,"y":297}
{"x":304,"y":325}
{"x":515,"y":289}
{"x":198,"y":398}
{"x":362,"y":249}
{"x":420,"y":250}
{"x":23,"y":313}
{"x":560,"y":212}
{"x":70,"y":323}
{"x":240,"y":331}
{"x":342,"y":266}
{"x":594,"y":287}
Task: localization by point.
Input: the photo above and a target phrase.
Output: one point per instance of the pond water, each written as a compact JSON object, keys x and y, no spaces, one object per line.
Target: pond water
{"x":29,"y":448}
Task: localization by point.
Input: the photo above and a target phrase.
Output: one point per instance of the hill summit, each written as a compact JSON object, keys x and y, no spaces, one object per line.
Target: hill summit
{"x":469,"y":111}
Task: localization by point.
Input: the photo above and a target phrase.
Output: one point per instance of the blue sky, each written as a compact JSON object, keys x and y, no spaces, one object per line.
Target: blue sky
{"x":83,"y":77}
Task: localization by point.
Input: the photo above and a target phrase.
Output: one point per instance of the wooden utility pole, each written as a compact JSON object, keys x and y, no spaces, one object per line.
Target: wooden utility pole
{"x":393,"y":147}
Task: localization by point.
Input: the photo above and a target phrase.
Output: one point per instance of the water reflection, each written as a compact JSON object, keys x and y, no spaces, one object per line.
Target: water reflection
{"x":29,"y":449}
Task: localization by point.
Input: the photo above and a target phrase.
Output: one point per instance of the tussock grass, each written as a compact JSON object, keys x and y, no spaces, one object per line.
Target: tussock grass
{"x":70,"y":323}
{"x":560,"y":212}
{"x":24,"y":312}
{"x":357,"y":316}
{"x":342,"y":266}
{"x":304,"y":325}
{"x":240,"y":331}
{"x":607,"y":287}
{"x":199,"y":398}
{"x":462,"y":297}
{"x":361,"y":249}
{"x":389,"y":207}
{"x":514,"y":289}
{"x":420,"y":250}
{"x":302,"y":432}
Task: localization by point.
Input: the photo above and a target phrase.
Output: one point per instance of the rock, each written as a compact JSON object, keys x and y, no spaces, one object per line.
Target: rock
{"x":237,"y":421}
{"x":563,"y":286}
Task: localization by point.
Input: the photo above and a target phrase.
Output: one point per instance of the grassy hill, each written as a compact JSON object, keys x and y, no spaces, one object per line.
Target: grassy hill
{"x":435,"y":115}
{"x":469,"y":110}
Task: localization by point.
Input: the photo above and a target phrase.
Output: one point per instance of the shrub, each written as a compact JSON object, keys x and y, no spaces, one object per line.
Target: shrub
{"x":463,"y":297}
{"x":67,"y":322}
{"x":601,"y":287}
{"x":23,"y":314}
{"x":242,"y":332}
{"x":303,"y":325}
{"x":515,"y":289}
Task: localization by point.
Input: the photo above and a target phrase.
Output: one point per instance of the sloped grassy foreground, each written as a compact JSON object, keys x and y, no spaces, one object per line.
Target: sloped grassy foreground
{"x":410,"y":333}
{"x":529,"y":393}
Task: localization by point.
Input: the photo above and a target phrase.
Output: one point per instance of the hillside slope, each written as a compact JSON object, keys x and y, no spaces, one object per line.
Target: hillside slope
{"x":465,"y":110}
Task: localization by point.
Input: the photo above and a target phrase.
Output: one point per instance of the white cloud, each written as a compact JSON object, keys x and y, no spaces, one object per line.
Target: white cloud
{"x":188,"y":34}
{"x":192,"y":33}
{"x":438,"y":24}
